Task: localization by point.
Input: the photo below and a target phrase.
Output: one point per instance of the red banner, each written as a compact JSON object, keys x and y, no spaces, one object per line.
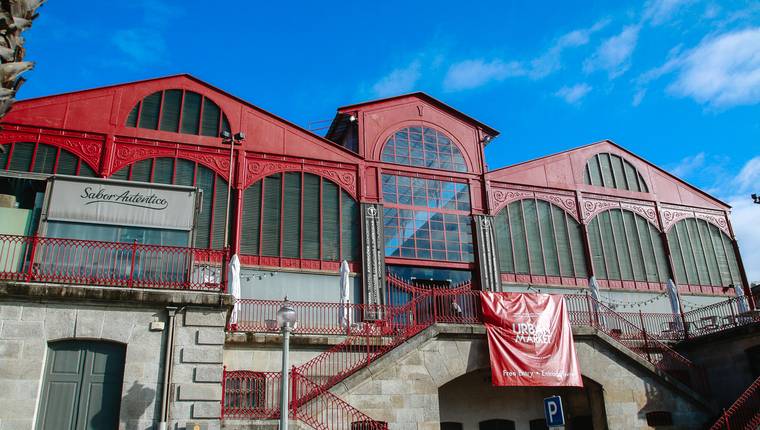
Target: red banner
{"x":530,"y":340}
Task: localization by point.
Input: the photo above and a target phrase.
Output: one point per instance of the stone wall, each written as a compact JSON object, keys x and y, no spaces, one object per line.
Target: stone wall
{"x":31,"y":316}
{"x":402,"y":387}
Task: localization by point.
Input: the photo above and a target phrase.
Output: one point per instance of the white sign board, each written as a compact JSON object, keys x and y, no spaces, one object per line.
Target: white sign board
{"x":121,"y":203}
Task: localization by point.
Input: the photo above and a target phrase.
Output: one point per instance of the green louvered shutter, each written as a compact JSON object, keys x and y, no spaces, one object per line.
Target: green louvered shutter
{"x":646,"y":244}
{"x":618,"y":174}
{"x":699,"y":252}
{"x":534,"y":237}
{"x":21,"y":157}
{"x":270,"y":236}
{"x":225,"y":124}
{"x":205,"y":182}
{"x":191,"y":112}
{"x":311,"y":216}
{"x":595,"y":171}
{"x":170,"y":110}
{"x":349,"y":225}
{"x":517,"y":227}
{"x":185,"y":172}
{"x":733,"y":263}
{"x":562,"y":238}
{"x":86,"y":171}
{"x":631,"y":177}
{"x":220,"y":212}
{"x":575,"y":231}
{"x":621,"y":245}
{"x":291,"y":217}
{"x":609,"y":246}
{"x":44,"y":159}
{"x":597,"y":250}
{"x":634,"y":244}
{"x":141,"y":170}
{"x":676,"y":253}
{"x":4,"y":153}
{"x":132,"y":117}
{"x":163,"y":170}
{"x":606,"y":165}
{"x":688,"y":252}
{"x":710,"y":252}
{"x":659,"y":254}
{"x":330,"y":221}
{"x":548,"y":239}
{"x":67,"y":164}
{"x":249,"y":241}
{"x":210,"y":123}
{"x":149,"y":114}
{"x":720,"y":254}
{"x":504,"y":242}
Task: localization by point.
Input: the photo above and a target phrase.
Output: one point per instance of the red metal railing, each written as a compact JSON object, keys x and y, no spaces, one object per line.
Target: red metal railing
{"x":459,"y":305}
{"x":253,"y":395}
{"x":89,"y":262}
{"x":325,"y":410}
{"x":313,"y":317}
{"x":744,"y":414}
{"x":733,"y":312}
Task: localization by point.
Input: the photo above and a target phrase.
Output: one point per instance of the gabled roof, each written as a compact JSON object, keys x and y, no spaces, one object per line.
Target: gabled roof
{"x":429,"y":99}
{"x":566,"y":170}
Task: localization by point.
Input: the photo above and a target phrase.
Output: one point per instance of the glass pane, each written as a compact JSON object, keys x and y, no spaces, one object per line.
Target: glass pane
{"x":251,"y":220}
{"x":170,"y":110}
{"x":149,"y":113}
{"x":191,"y":111}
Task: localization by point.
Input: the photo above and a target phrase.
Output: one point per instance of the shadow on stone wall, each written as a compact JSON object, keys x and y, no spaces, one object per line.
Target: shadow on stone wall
{"x":134,"y":404}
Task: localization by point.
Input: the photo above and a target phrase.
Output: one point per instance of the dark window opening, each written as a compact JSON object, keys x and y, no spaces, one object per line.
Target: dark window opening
{"x":497,"y":425}
{"x":179,"y":111}
{"x":659,"y":418}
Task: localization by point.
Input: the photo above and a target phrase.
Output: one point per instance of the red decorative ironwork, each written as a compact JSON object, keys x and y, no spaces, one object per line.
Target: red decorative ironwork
{"x":89,"y":262}
{"x":744,"y":413}
{"x":671,"y":216}
{"x":645,"y":211}
{"x":256,"y":169}
{"x":718,"y":220}
{"x":501,"y":197}
{"x":591,"y":207}
{"x":127,"y":152}
{"x":88,"y":149}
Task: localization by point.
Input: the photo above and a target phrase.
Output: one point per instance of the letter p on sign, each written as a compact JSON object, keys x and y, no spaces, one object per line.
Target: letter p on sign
{"x":553,"y":413}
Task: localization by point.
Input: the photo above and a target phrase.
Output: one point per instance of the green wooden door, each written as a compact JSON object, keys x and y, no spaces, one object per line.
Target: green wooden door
{"x":82,"y":386}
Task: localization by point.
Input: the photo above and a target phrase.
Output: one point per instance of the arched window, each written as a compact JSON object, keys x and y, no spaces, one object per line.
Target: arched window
{"x":209,"y":224}
{"x":179,"y":111}
{"x":612,"y":171}
{"x":538,"y":238}
{"x":42,"y":158}
{"x":423,"y":147}
{"x":702,"y":254}
{"x":625,"y":246}
{"x":300,"y":215}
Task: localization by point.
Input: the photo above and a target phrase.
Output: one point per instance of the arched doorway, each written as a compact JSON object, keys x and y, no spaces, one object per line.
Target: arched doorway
{"x":471,"y":401}
{"x":82,"y":386}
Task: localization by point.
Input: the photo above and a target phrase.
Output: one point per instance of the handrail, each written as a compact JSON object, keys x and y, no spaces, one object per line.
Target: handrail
{"x":744,"y":413}
{"x":461,"y":305}
{"x":114,"y":264}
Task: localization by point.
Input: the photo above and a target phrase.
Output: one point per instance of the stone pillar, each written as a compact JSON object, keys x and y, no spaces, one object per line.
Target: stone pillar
{"x":487,"y":253}
{"x":197,"y":374}
{"x":373,"y":261}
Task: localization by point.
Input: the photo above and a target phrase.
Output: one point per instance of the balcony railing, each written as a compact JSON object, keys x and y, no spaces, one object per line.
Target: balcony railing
{"x":744,"y":413}
{"x":112,"y":264}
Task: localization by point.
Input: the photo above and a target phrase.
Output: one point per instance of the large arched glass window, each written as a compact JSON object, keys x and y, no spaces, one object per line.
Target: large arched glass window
{"x":179,"y":111}
{"x":538,"y":238}
{"x":209,"y":224}
{"x":612,"y":171}
{"x":625,"y":246}
{"x":702,"y":254}
{"x":42,"y":158}
{"x":300,"y":215}
{"x":423,"y":147}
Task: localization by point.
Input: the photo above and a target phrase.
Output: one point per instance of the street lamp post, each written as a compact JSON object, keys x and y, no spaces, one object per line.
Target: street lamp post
{"x":232,"y":139}
{"x":286,"y":320}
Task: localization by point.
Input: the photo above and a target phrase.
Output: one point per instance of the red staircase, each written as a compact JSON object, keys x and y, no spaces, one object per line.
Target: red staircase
{"x":744,"y":414}
{"x":254,"y":394}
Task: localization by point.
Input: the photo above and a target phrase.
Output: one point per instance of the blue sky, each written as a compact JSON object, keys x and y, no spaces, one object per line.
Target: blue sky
{"x":676,"y":81}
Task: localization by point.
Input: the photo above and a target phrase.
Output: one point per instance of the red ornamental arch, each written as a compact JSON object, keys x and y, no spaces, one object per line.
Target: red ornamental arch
{"x":257,"y":170}
{"x":88,"y":150}
{"x":382,"y":140}
{"x":126,"y":154}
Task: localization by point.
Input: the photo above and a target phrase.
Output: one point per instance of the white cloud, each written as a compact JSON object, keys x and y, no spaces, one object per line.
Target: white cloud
{"x":398,"y":81}
{"x":573,"y":94}
{"x":638,"y":97}
{"x":551,"y":60}
{"x":660,"y":11}
{"x":744,"y":216}
{"x":470,"y":74}
{"x":749,"y":176}
{"x":142,"y":46}
{"x":614,"y":54}
{"x":722,"y":71}
{"x":688,"y":165}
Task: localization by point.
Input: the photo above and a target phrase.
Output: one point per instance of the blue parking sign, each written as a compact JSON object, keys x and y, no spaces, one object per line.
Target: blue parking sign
{"x":555,"y":417}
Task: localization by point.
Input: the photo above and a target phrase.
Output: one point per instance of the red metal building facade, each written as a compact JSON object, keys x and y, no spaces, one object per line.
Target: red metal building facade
{"x":396,"y":182}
